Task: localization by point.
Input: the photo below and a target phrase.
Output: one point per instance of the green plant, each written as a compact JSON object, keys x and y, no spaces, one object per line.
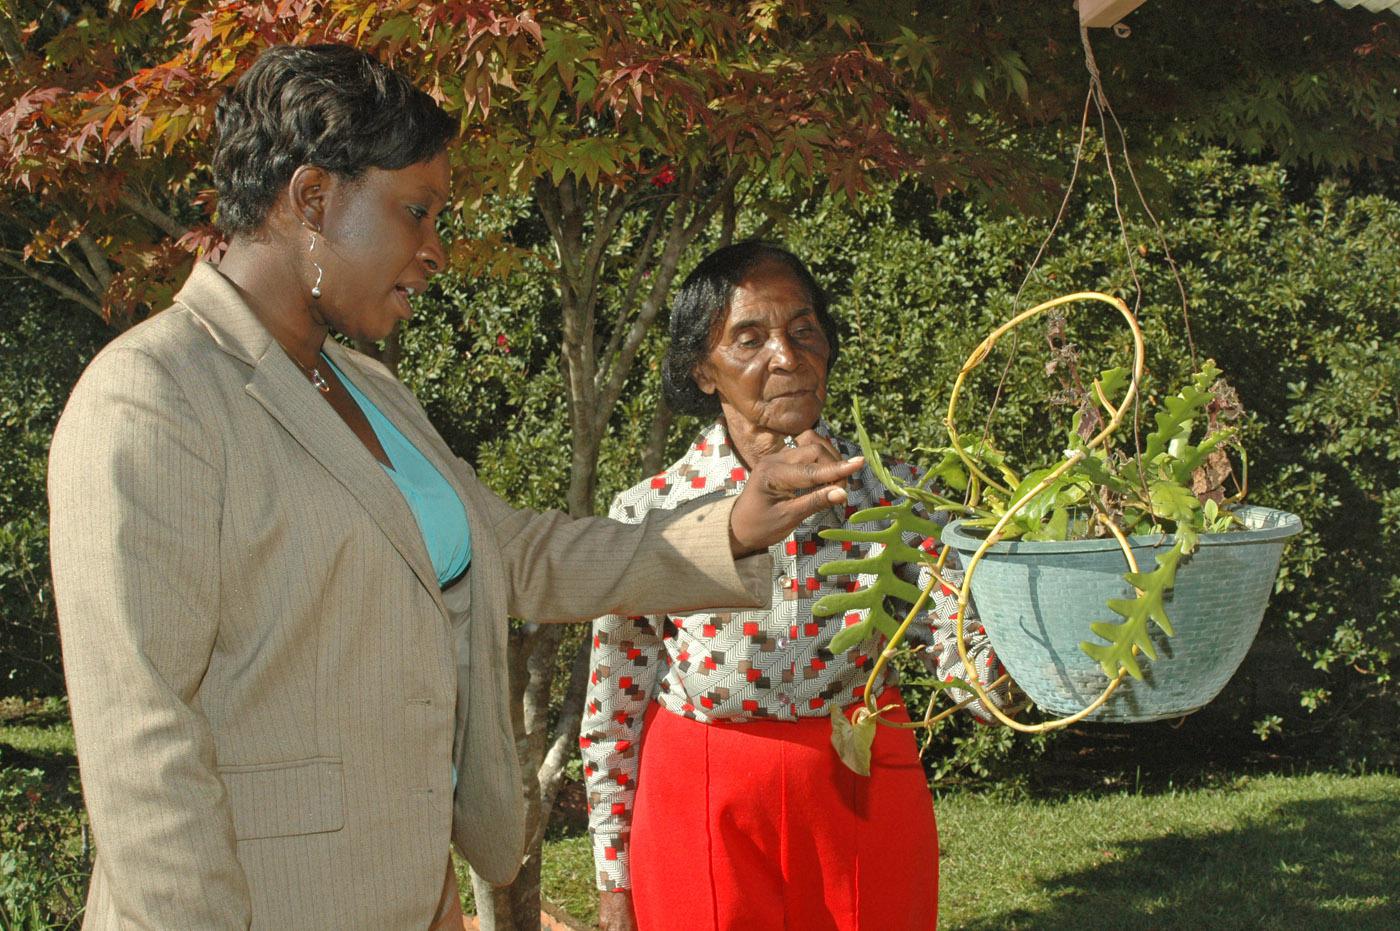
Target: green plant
{"x":44,"y":860}
{"x":1171,"y":481}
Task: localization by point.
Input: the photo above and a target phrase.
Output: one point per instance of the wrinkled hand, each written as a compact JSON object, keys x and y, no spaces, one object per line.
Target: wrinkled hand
{"x":615,"y":911}
{"x":786,"y":488}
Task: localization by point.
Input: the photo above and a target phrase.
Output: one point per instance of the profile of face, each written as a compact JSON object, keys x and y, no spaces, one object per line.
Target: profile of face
{"x":768,"y":361}
{"x":378,"y":243}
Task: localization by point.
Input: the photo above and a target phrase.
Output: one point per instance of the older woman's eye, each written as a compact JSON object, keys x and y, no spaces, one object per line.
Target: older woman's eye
{"x":418,"y":211}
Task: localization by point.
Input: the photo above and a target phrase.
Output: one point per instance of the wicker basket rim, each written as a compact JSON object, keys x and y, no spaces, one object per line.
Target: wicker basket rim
{"x":1264,"y":525}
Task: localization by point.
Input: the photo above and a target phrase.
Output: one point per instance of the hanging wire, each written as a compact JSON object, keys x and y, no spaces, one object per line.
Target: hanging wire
{"x":1100,"y":98}
{"x":1035,"y":262}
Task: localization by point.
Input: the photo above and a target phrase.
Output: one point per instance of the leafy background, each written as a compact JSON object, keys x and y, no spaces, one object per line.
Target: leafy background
{"x":1293,"y":290}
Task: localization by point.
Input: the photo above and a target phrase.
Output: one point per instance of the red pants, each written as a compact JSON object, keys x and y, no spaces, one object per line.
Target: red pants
{"x":760,"y":827}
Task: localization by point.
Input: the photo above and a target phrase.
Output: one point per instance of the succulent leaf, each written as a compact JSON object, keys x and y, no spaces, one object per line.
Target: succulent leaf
{"x":1136,"y":612}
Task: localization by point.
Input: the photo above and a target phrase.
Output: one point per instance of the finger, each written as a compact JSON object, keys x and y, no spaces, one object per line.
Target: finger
{"x":800,"y":454}
{"x":804,"y":506}
{"x":793,"y":478}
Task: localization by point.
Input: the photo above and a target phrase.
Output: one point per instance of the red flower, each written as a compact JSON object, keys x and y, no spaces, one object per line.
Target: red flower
{"x":664,"y":177}
{"x":503,"y":342}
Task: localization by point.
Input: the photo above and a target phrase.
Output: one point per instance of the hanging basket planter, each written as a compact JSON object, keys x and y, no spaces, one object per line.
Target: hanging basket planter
{"x":1112,"y":583}
{"x":1118,"y":579}
{"x":1036,"y":600}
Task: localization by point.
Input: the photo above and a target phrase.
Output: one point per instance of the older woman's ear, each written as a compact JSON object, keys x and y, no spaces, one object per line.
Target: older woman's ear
{"x":704,"y":378}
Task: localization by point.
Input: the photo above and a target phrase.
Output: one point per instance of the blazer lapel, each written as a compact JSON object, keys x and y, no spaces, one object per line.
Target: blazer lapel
{"x":290,"y":398}
{"x":405,"y":416}
{"x":279,"y":387}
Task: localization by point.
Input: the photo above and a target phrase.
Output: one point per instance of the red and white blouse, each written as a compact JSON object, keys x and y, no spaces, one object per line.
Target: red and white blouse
{"x":737,"y":666}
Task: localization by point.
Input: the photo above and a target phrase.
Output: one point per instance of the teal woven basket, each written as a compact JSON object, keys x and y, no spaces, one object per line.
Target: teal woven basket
{"x":1038,"y":599}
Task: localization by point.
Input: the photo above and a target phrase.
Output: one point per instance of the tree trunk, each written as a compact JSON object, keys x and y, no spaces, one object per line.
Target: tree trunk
{"x":493,"y":905}
{"x":594,"y":374}
{"x":654,"y":454}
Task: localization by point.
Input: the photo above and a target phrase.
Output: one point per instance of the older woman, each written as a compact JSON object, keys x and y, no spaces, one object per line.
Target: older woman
{"x":716,"y":800}
{"x":282,"y":598}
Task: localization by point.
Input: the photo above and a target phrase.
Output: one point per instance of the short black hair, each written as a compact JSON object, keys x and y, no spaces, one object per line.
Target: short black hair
{"x":701,"y":306}
{"x":332,"y":106}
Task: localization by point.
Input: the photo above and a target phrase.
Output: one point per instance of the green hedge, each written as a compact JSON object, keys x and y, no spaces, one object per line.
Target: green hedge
{"x":44,"y":344}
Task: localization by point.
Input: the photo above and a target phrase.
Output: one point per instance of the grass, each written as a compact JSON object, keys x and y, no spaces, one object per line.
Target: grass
{"x":1270,"y":851}
{"x":566,"y":875}
{"x":1274,"y":852}
{"x":44,"y":855}
{"x":38,"y":729}
{"x":1277,"y":852}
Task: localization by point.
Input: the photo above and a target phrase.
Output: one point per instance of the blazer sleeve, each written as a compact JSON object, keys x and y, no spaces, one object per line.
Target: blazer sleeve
{"x":135,"y":496}
{"x":565,"y":569}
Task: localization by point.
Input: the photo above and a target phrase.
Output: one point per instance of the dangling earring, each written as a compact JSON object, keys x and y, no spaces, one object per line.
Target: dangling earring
{"x":320,"y":272}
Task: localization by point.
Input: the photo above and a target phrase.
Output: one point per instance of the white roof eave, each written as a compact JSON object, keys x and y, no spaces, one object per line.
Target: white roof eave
{"x":1375,"y":6}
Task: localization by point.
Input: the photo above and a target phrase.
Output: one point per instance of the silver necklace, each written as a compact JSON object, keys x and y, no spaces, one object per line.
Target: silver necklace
{"x":314,"y":374}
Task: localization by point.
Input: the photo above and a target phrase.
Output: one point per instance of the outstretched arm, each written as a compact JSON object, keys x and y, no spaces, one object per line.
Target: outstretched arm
{"x":681,"y":560}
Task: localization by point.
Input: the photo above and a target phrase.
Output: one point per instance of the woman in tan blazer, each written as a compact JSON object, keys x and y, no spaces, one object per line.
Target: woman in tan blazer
{"x":276,"y":676}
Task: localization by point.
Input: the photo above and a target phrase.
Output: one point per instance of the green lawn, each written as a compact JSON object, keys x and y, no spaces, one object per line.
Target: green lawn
{"x":1275,"y":852}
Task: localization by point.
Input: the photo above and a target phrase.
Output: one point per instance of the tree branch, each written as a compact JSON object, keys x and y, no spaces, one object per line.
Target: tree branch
{"x":144,"y":208}
{"x":68,"y":291}
{"x":654,"y":452}
{"x":604,"y":376}
{"x":96,"y":259}
{"x":595,"y":260}
{"x":9,"y":39}
{"x":629,"y":298}
{"x":728,"y":219}
{"x":676,"y":243}
{"x":721,"y":196}
{"x":565,"y":737}
{"x":80,"y":271}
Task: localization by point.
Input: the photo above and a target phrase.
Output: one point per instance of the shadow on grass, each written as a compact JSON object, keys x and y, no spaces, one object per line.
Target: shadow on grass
{"x":36,"y":734}
{"x":1310,"y":864}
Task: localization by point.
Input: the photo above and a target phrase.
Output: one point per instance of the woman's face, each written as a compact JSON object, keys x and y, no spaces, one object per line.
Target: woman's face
{"x":378,"y":245}
{"x":768,"y":363}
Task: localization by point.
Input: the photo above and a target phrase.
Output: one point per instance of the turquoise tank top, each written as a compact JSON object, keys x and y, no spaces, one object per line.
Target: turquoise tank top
{"x":439,"y":512}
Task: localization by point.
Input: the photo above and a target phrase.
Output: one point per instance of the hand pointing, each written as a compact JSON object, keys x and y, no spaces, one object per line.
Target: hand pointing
{"x":785,"y":488}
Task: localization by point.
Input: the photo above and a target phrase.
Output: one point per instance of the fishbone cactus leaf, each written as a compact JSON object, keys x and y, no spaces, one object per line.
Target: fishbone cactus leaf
{"x":1189,"y":458}
{"x":871,"y":598}
{"x":1111,"y":384}
{"x":1133,"y":630}
{"x":1175,"y":419}
{"x":1172,"y":502}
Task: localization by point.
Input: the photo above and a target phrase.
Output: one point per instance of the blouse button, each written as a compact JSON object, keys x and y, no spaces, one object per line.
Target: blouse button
{"x":783,"y":643}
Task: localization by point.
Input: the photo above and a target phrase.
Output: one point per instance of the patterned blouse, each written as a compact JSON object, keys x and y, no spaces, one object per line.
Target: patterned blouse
{"x":737,"y":666}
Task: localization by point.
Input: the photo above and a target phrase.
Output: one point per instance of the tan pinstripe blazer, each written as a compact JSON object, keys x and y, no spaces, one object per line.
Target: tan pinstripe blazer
{"x":267,"y":684}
